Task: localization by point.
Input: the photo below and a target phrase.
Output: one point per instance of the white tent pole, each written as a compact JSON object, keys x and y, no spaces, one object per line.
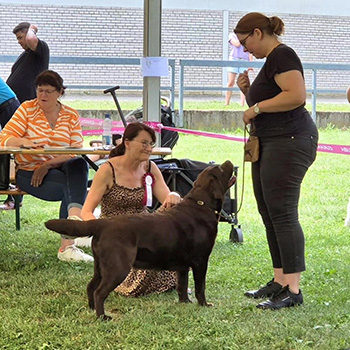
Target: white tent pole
{"x":152,"y":48}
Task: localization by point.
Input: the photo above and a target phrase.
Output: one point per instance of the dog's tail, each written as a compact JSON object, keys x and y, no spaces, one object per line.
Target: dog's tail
{"x":74,"y":228}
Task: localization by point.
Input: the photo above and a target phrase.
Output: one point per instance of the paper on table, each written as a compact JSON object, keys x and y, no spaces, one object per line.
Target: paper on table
{"x":154,"y":66}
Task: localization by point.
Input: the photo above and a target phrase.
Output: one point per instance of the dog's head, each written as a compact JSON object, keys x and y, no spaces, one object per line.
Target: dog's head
{"x":212,"y":184}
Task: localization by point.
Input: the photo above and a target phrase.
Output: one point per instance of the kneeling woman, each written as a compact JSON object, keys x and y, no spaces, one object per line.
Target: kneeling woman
{"x":41,"y":122}
{"x":119,"y":185}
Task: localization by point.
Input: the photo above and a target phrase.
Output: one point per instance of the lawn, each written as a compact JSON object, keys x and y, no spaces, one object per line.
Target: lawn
{"x":43,"y":301}
{"x":214,"y":103}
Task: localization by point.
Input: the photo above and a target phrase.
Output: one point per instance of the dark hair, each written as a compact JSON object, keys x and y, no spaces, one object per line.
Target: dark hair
{"x":49,"y":77}
{"x":131,"y":131}
{"x":23,"y":26}
{"x":269,"y":25}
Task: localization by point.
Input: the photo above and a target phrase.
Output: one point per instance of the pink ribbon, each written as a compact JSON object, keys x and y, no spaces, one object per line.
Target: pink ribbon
{"x":322,"y":147}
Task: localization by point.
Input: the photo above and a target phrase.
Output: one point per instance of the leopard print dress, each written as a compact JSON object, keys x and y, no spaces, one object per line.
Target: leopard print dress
{"x":124,"y":200}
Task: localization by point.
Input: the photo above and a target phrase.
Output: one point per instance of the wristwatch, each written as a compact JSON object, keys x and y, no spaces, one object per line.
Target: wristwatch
{"x":256,"y":109}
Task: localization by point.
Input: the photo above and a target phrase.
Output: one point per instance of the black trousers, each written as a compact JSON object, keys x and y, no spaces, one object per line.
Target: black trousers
{"x":277,"y":178}
{"x":7,"y":109}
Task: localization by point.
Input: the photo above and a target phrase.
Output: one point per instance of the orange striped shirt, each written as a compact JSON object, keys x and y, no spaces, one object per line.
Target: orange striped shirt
{"x":29,"y":122}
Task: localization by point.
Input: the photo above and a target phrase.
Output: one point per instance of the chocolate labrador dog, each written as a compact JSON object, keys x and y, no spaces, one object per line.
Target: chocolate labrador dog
{"x":176,"y":239}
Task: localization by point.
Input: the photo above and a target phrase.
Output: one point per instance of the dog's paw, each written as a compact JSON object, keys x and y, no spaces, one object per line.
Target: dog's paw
{"x":104,"y":318}
{"x":187,"y":300}
{"x":206,"y":304}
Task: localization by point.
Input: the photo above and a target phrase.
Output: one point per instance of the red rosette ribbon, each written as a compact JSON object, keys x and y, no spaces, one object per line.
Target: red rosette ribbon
{"x":148,"y":182}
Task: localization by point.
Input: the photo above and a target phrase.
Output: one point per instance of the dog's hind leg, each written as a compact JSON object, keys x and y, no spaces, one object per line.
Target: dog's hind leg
{"x":105,"y":287}
{"x":182,"y":286}
{"x":199,"y":274}
{"x":94,"y":283}
{"x":114,"y":266}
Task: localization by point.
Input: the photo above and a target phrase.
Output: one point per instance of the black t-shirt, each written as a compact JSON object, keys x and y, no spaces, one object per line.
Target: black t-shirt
{"x":281,"y":59}
{"x":26,"y":68}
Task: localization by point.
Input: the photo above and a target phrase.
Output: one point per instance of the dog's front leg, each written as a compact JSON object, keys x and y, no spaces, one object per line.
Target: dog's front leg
{"x":182,"y":285}
{"x":199,"y":274}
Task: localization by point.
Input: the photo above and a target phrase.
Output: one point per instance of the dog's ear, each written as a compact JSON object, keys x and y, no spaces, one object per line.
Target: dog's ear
{"x":216,"y":186}
{"x":216,"y":190}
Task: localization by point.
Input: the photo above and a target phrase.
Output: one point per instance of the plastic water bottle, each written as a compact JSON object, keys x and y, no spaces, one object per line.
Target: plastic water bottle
{"x":107,"y":131}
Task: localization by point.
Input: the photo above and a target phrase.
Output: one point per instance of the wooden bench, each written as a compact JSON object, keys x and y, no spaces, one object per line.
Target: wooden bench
{"x":16,"y":193}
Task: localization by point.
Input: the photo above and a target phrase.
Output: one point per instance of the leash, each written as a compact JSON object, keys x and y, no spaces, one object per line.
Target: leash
{"x":219,"y":215}
{"x":243,"y":170}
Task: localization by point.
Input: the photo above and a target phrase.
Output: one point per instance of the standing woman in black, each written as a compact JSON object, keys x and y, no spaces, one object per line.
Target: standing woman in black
{"x":288,"y":143}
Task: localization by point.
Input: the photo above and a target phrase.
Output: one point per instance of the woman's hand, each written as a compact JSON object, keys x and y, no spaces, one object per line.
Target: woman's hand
{"x":31,"y":144}
{"x":243,"y":82}
{"x":38,"y":175}
{"x":171,"y":199}
{"x":248,"y":115}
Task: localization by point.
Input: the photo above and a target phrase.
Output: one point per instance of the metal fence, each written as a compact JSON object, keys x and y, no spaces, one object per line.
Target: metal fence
{"x":183,"y":64}
{"x":106,"y":61}
{"x":314,"y":67}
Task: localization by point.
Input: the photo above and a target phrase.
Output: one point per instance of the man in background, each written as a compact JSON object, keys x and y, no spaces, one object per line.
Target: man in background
{"x":31,"y":62}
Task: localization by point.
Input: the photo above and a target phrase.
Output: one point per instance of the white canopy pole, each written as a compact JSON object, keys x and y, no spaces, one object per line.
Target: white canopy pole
{"x":152,"y":48}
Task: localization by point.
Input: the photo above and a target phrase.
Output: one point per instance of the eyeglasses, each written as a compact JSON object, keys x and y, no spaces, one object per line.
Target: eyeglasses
{"x":47,"y":92}
{"x":146,"y":144}
{"x":242,"y":42}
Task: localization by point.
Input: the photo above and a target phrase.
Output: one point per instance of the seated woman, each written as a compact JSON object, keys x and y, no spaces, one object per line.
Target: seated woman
{"x":45,"y":121}
{"x":120,"y":185}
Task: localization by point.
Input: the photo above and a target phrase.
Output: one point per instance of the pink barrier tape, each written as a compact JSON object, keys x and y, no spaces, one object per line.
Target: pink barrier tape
{"x":207,"y":134}
{"x":97,"y":122}
{"x":157,"y":127}
{"x":337,"y":149}
{"x":322,"y":147}
{"x":99,"y":131}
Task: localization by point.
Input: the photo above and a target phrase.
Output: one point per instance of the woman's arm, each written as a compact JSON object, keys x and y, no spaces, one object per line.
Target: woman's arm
{"x":293,"y":95}
{"x":233,"y":40}
{"x":161,"y":190}
{"x":40,"y":172}
{"x":100,"y":184}
{"x":15,"y":131}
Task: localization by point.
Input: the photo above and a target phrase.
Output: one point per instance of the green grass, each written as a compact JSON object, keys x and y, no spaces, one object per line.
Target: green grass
{"x":209,"y":103}
{"x":43,"y":302}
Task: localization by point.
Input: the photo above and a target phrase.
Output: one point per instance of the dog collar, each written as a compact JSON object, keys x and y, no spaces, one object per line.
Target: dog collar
{"x":201,"y":203}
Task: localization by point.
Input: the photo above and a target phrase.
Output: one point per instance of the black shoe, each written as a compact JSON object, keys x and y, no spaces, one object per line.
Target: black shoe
{"x":285,"y":298}
{"x":267,"y":291}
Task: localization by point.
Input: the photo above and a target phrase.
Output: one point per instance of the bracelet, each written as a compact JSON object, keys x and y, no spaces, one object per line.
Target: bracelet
{"x":33,"y":30}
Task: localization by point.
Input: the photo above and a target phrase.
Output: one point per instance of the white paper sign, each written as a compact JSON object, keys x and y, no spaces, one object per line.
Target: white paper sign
{"x":154,"y":67}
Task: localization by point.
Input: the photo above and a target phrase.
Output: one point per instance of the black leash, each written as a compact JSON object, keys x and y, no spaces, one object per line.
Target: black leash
{"x":243,"y":169}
